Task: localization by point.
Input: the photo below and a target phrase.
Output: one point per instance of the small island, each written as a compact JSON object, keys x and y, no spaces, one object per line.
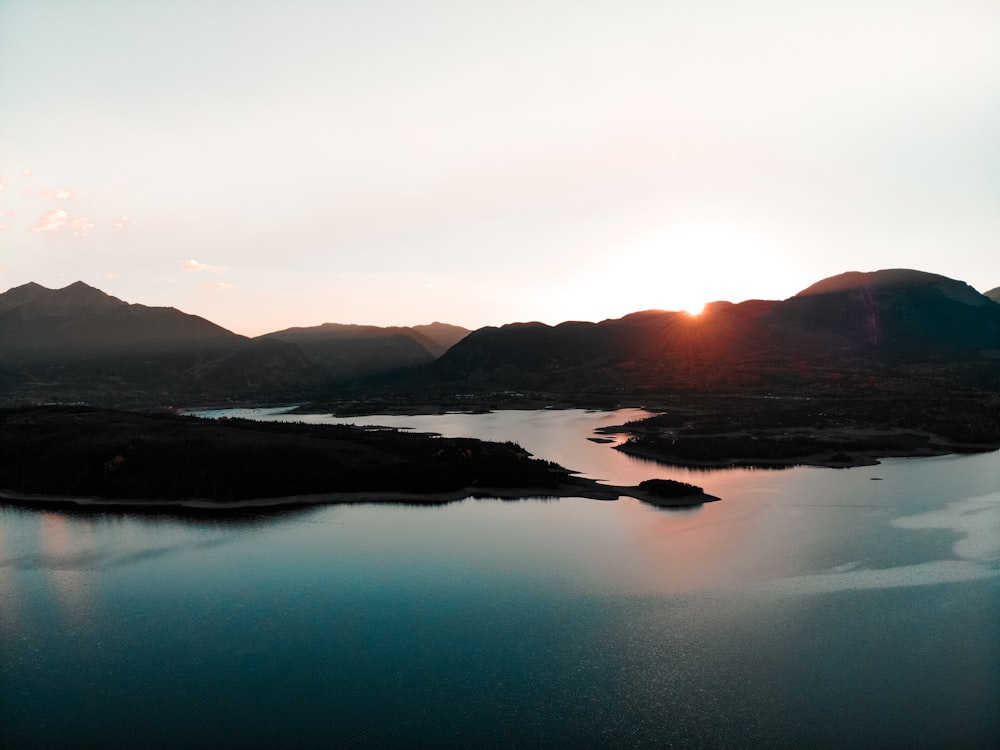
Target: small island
{"x":84,"y":456}
{"x":670,"y":488}
{"x":669,"y":493}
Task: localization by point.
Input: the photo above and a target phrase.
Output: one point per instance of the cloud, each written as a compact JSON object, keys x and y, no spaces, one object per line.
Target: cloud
{"x":25,"y":172}
{"x":194,"y":265}
{"x":218,"y":285}
{"x":112,"y":276}
{"x":59,"y":194}
{"x":121,"y":222}
{"x":51,"y":221}
{"x":3,"y":227}
{"x":81,"y":227}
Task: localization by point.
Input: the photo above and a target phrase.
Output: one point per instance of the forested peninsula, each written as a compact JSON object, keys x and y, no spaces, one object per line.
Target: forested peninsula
{"x":87,"y":456}
{"x":768,"y":432}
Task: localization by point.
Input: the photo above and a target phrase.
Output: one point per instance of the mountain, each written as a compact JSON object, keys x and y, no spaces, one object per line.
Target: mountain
{"x":993,"y":294}
{"x":897,"y":314}
{"x":78,"y":343}
{"x":347,"y":352}
{"x":79,"y":319}
{"x":442,"y":336}
{"x":855,"y":330}
{"x":895,"y":330}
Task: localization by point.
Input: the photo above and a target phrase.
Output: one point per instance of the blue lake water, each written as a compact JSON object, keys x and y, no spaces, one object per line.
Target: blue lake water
{"x":809,"y":608}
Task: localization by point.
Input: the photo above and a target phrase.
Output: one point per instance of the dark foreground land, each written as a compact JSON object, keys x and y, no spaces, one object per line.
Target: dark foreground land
{"x":799,"y":428}
{"x":719,"y":431}
{"x":89,"y":456}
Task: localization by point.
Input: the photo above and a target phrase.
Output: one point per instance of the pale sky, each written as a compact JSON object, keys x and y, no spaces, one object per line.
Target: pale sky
{"x":394,"y":162}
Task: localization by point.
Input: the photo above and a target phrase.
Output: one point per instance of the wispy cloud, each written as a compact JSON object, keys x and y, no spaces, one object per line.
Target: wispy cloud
{"x":111,"y":276}
{"x":217,"y":286}
{"x":51,"y":221}
{"x":59,"y":194}
{"x":25,"y":172}
{"x":194,"y":265}
{"x":81,"y":227}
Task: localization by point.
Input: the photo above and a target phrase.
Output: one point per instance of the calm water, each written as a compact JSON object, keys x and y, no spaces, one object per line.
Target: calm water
{"x":809,"y":608}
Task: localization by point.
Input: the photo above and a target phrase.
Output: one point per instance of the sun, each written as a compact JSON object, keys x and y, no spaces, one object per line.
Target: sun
{"x":676,"y":268}
{"x":683,"y":267}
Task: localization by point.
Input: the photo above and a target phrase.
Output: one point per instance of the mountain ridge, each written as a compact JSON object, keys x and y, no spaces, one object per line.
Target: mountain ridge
{"x":894,"y":328}
{"x":875,"y":327}
{"x":79,"y":343}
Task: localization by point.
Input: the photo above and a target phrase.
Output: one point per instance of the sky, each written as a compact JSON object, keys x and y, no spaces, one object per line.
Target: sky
{"x":395,"y":162}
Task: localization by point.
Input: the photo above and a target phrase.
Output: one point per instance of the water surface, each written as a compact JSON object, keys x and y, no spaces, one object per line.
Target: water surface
{"x":811,"y":607}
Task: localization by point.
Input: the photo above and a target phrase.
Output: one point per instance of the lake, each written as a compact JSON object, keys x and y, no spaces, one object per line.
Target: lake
{"x":809,"y":608}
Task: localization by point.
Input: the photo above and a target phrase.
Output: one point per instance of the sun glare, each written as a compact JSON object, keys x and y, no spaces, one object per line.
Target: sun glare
{"x":677,"y":268}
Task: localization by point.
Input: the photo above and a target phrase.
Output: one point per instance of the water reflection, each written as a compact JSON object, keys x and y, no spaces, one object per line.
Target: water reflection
{"x":10,"y":611}
{"x":167,"y":516}
{"x":753,"y":536}
{"x":975,"y":520}
{"x":66,"y":559}
{"x":783,"y":616}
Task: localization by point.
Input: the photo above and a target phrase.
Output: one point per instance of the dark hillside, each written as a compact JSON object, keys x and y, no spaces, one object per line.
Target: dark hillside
{"x":895,"y":316}
{"x":346,"y":352}
{"x":349,"y":352}
{"x":442,"y":336}
{"x":80,"y":344}
{"x":882,"y":330}
{"x":85,"y":452}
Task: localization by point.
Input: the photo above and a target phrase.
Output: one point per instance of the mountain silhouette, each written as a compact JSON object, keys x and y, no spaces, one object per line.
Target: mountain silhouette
{"x":847,"y":331}
{"x":893,"y":314}
{"x":441,"y":336}
{"x":348,"y":352}
{"x":854,"y":333}
{"x":78,"y":343}
{"x":79,"y":319}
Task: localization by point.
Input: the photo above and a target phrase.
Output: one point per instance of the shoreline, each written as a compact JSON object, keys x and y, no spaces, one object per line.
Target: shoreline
{"x":851,"y":461}
{"x":587,"y":489}
{"x":760,"y":463}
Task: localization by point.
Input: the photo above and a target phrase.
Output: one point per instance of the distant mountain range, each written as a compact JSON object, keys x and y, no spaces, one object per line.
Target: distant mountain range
{"x":347,"y":352}
{"x":78,"y":343}
{"x":855,"y":332}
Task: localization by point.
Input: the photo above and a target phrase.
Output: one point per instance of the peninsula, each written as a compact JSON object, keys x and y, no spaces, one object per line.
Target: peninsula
{"x":723,"y":431}
{"x":84,"y":456}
